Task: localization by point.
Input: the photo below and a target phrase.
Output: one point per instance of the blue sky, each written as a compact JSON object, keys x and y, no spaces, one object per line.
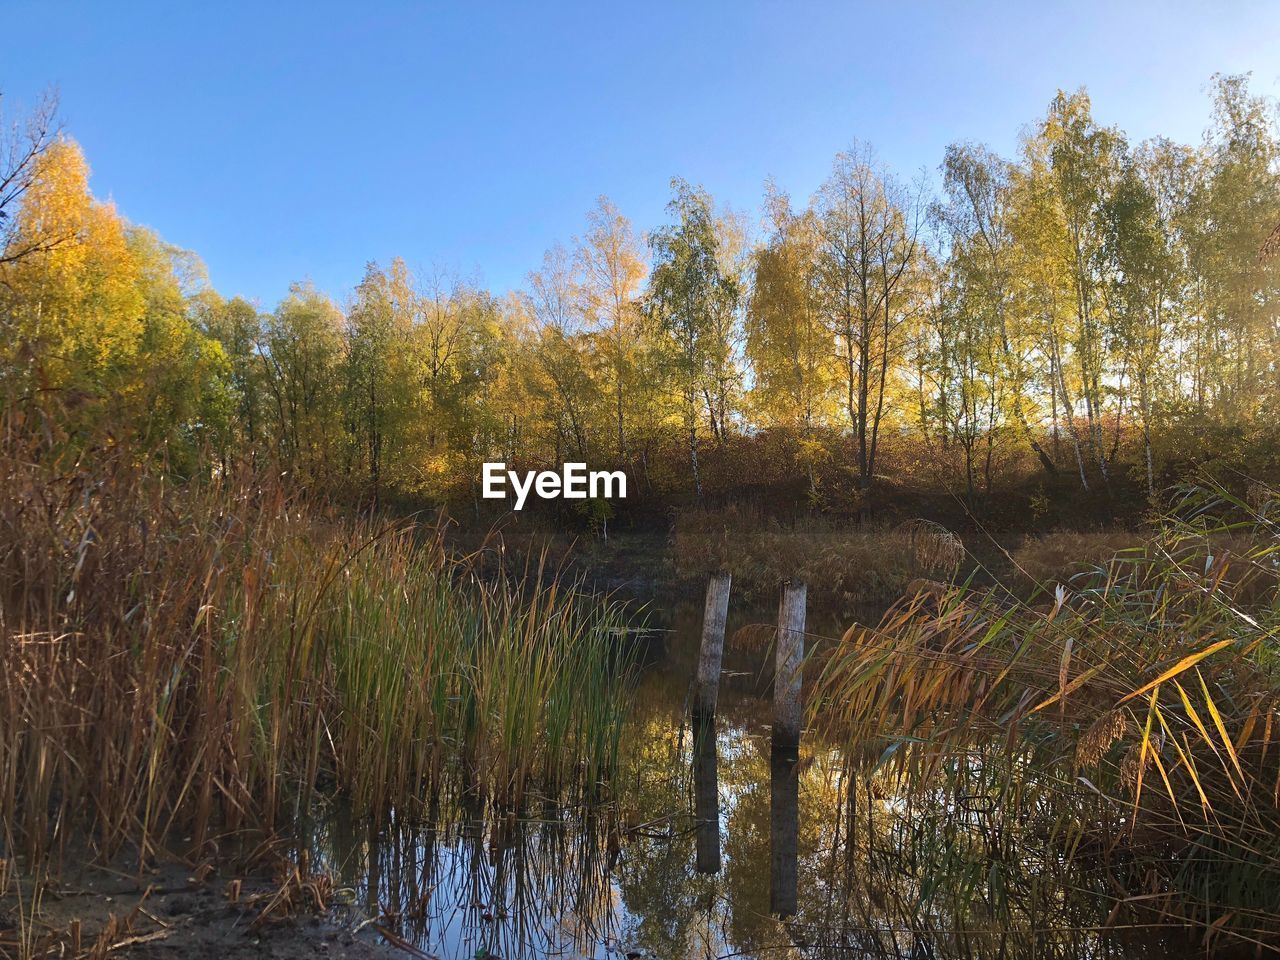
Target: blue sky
{"x":289,"y":141}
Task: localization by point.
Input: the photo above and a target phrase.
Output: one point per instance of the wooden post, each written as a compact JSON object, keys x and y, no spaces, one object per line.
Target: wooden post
{"x":784,"y":752}
{"x":714,"y":617}
{"x":787,"y":687}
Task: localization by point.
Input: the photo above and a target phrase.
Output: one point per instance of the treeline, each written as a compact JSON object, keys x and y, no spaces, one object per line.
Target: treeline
{"x":1091,"y":307}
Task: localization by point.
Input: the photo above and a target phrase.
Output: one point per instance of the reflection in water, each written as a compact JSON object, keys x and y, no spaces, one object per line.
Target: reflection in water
{"x":784,"y":823}
{"x":706,"y":794}
{"x":678,"y":864}
{"x":498,"y":887}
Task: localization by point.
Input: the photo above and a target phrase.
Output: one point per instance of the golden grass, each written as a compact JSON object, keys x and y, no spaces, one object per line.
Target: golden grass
{"x":1129,"y":733}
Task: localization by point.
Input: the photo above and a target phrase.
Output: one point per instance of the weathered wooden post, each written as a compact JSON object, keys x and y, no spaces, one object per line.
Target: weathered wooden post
{"x":784,"y":753}
{"x":714,"y":617}
{"x":787,"y":686}
{"x":706,"y":792}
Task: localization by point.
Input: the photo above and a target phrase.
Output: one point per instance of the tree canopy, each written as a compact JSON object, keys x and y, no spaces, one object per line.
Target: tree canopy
{"x":1090,"y":307}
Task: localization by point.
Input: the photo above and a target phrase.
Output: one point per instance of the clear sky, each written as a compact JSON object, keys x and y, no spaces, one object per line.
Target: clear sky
{"x":288,"y":141}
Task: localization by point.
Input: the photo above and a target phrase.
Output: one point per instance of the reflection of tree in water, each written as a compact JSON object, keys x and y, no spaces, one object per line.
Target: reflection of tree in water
{"x":669,"y":907}
{"x":478,"y":881}
{"x":878,"y":876}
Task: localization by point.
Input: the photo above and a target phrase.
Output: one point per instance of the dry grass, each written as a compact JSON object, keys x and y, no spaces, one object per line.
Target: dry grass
{"x":1126,"y":740}
{"x":933,"y":548}
{"x":1066,"y":555}
{"x":210,"y":657}
{"x":848,"y":568}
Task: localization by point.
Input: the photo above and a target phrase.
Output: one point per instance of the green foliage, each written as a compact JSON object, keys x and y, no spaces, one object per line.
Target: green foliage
{"x":692,"y":302}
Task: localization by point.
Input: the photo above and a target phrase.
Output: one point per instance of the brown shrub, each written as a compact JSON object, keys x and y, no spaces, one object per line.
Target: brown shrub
{"x":848,"y":568}
{"x":1070,"y":557}
{"x":1058,"y":557}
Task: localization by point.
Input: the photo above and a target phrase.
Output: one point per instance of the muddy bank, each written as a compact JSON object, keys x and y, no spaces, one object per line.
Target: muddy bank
{"x":169,"y":913}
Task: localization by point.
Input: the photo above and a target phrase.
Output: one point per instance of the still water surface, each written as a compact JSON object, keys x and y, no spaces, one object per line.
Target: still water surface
{"x":679,"y":864}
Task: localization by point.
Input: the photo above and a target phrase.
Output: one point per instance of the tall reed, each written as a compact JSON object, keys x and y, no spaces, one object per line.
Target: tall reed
{"x":1125,"y":730}
{"x":207,"y":656}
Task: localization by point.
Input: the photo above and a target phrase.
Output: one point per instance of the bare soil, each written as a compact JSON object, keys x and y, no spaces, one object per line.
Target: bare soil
{"x":167,"y":913}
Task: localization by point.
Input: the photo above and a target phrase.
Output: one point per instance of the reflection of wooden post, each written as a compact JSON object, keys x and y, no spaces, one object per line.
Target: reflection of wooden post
{"x":787,"y":704}
{"x":706,"y":785}
{"x":706,"y":794}
{"x":784,"y":753}
{"x":713,"y":624}
{"x":784,"y":826}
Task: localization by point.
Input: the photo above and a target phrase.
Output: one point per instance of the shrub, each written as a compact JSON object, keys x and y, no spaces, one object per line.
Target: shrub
{"x":848,"y":568}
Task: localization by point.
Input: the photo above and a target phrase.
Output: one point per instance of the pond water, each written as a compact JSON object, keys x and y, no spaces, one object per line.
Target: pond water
{"x":684,"y":861}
